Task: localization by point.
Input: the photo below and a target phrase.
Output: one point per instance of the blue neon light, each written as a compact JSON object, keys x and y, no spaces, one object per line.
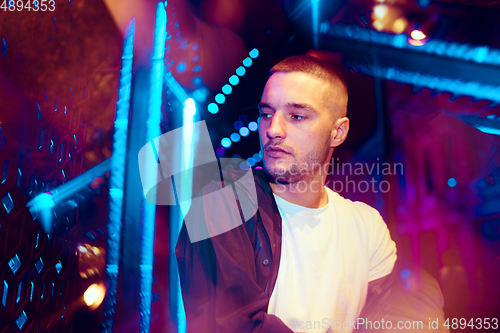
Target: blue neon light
{"x":238,"y":124}
{"x":189,"y":108}
{"x":213,"y":108}
{"x":247,"y":62}
{"x":152,"y":132}
{"x":227,"y":89}
{"x":4,"y":48}
{"x":254,"y":53}
{"x":253,"y":126}
{"x":235,"y":137}
{"x":226,"y":143}
{"x":315,"y":20}
{"x":220,"y":98}
{"x":257,"y":157}
{"x":197,"y":81}
{"x":467,"y":52}
{"x":174,"y":86}
{"x":456,"y":86}
{"x":200,"y":94}
{"x":244,"y":131}
{"x":251,"y":161}
{"x":181,"y":67}
{"x":234,"y":80}
{"x":488,"y":130}
{"x":241,"y":71}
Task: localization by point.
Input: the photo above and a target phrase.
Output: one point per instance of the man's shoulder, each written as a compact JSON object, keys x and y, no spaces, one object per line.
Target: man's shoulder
{"x":359,"y":206}
{"x":357,"y":210}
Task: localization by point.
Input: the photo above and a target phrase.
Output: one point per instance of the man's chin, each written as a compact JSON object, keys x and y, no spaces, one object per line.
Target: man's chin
{"x":279,"y":174}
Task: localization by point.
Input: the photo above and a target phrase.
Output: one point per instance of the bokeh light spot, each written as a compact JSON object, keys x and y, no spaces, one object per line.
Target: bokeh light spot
{"x":254,"y":53}
{"x":235,"y":137}
{"x":238,"y":124}
{"x":181,"y":67}
{"x":247,"y":62}
{"x":220,"y":98}
{"x":226,"y":142}
{"x":244,"y":131}
{"x":241,"y":71}
{"x":417,"y":35}
{"x":227,"y":89}
{"x":234,"y":80}
{"x":94,"y":295}
{"x":213,"y":108}
{"x":219,"y":151}
{"x":253,"y":126}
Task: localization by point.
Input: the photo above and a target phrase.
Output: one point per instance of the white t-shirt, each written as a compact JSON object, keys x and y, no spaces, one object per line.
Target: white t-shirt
{"x":328,"y":256}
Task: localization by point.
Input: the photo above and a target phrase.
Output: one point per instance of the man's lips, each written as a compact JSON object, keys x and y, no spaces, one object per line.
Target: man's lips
{"x":275,"y":151}
{"x":276,"y":148}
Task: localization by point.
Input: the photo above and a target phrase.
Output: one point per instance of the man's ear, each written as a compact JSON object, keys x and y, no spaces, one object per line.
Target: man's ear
{"x":340,"y":131}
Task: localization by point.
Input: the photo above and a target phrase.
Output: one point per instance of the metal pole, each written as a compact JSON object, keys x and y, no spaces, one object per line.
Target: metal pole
{"x":117,"y":178}
{"x":152,"y":132}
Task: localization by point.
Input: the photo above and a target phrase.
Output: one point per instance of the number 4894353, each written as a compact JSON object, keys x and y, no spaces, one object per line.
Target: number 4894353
{"x":474,"y":323}
{"x":29,"y":5}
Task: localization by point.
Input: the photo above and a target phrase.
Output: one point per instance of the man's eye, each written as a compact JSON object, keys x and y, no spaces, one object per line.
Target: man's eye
{"x":265,"y":115}
{"x":298,"y":117}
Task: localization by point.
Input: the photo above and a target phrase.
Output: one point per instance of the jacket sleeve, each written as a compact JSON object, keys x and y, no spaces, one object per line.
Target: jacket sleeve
{"x":219,"y":284}
{"x":413,"y":297}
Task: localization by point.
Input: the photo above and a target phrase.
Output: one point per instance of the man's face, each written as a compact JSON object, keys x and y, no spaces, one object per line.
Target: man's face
{"x":296,"y":126}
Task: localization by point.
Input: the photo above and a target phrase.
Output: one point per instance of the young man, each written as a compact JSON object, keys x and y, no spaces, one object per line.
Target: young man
{"x":309,"y":260}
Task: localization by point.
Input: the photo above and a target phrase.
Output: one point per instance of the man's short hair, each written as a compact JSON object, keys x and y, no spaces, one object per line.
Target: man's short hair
{"x":315,"y":67}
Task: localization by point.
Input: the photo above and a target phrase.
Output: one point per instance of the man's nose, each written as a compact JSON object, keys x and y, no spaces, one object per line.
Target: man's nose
{"x":276,"y":127}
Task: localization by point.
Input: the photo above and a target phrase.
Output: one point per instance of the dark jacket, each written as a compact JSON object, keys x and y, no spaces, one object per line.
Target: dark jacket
{"x":227,"y":280}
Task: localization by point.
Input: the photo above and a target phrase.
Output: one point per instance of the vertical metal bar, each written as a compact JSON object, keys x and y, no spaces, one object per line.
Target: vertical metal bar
{"x":117,"y":178}
{"x":315,"y":21}
{"x":176,"y":305}
{"x":152,"y":131}
{"x":187,"y":151}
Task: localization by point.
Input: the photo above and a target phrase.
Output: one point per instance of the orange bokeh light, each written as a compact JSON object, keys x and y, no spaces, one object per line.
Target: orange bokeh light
{"x":94,"y":295}
{"x":418,"y":35}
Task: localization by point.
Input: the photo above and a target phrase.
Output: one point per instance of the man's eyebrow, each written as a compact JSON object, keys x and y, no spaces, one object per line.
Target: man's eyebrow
{"x":301,"y":106}
{"x":263,"y":105}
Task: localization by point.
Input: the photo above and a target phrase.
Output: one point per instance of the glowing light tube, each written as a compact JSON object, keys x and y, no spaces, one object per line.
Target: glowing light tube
{"x":117,"y":178}
{"x":152,"y":131}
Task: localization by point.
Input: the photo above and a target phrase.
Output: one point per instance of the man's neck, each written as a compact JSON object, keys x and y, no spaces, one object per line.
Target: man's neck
{"x":310,"y":193}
